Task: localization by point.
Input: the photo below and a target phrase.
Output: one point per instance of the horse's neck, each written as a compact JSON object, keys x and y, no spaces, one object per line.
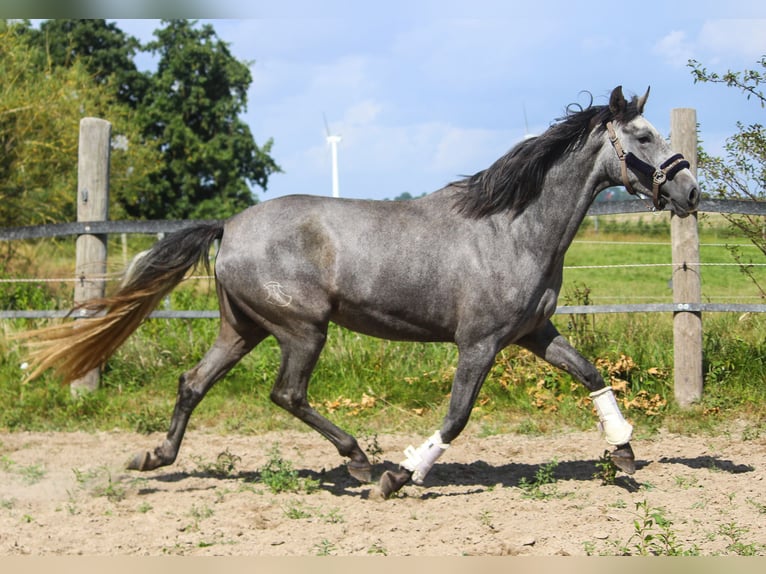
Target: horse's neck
{"x":552,"y":220}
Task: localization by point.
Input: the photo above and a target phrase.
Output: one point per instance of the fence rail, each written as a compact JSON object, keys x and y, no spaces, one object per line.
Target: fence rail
{"x":50,"y":230}
{"x":168,"y":226}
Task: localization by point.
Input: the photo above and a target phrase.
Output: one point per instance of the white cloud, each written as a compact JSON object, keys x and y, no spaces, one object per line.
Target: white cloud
{"x":675,"y":48}
{"x":745,"y":38}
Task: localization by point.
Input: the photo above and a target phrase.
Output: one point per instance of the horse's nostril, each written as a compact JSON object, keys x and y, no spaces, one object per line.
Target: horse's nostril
{"x":694,"y":196}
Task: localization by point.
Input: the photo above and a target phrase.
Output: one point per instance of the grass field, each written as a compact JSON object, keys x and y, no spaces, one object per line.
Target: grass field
{"x":368,"y":385}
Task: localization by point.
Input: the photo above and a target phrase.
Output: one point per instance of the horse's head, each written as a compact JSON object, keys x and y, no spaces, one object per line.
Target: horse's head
{"x":647,"y":165}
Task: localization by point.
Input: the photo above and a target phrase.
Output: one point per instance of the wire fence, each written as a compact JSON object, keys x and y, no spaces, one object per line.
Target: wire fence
{"x":160,"y":227}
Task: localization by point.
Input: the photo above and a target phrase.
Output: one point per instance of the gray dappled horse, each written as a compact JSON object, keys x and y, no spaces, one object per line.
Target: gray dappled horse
{"x":477,"y":263}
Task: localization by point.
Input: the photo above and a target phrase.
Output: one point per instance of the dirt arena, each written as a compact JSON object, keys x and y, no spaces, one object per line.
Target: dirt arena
{"x":68,"y":494}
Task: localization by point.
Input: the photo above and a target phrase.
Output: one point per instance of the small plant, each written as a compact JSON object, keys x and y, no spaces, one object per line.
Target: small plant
{"x":224,"y":465}
{"x":333,"y":517}
{"x":544,"y":484}
{"x":373,"y":448}
{"x":485,"y":519}
{"x":324,"y":548}
{"x":296,"y":511}
{"x":653,"y":535}
{"x":686,"y":482}
{"x":377,"y":548}
{"x":148,"y":420}
{"x":606,"y":470}
{"x":198,"y":514}
{"x":760,"y":507}
{"x":278,"y":474}
{"x":736,"y":546}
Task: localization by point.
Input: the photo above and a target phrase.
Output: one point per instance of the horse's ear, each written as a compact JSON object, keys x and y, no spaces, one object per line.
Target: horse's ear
{"x":642,"y":101}
{"x":617,"y":103}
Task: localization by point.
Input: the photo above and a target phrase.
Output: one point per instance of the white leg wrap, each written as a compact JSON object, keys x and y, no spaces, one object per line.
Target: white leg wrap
{"x":617,"y":430}
{"x":419,"y":461}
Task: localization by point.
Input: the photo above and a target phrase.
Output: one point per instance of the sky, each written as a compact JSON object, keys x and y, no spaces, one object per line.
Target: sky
{"x":421,"y":95}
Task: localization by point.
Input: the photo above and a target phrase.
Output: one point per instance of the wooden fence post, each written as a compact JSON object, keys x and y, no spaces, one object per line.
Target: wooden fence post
{"x":92,"y":205}
{"x":687,"y":325}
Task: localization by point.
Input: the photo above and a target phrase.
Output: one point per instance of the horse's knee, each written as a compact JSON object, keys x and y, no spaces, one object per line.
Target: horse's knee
{"x":291,"y":402}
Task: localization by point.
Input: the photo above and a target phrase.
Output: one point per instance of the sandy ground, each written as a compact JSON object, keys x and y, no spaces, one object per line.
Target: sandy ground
{"x":68,"y":494}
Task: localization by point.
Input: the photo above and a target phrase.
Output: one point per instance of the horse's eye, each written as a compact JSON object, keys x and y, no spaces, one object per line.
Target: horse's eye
{"x":645,"y":139}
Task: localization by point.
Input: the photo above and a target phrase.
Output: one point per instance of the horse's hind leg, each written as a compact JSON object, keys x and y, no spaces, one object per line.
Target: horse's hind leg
{"x":227,"y":350}
{"x":299,"y":356}
{"x":550,"y":345}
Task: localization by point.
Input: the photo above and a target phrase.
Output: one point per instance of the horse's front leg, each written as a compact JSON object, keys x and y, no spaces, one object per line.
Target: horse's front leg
{"x":473,"y":365}
{"x":550,"y":345}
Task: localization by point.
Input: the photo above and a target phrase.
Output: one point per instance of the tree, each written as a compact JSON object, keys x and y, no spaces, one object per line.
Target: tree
{"x":191,"y":114}
{"x":187,"y":113}
{"x":105,"y":51}
{"x":741,"y":174}
{"x":40,"y":110}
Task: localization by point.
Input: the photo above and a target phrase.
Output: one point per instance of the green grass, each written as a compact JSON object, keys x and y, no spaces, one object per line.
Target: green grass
{"x":368,"y":385}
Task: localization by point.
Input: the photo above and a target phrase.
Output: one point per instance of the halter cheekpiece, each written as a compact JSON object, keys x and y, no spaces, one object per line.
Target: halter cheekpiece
{"x":666,"y":171}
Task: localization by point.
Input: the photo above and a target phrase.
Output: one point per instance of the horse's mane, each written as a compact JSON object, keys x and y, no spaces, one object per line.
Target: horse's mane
{"x":514,"y":180}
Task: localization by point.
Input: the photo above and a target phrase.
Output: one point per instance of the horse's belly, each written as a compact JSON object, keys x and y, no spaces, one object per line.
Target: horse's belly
{"x":390,"y":326}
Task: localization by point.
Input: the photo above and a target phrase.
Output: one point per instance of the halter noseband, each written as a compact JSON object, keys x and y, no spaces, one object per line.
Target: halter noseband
{"x":666,"y":172}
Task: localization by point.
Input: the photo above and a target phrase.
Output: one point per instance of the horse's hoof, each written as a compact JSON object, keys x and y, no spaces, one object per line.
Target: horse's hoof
{"x":360,"y":471}
{"x":623,"y":458}
{"x":139,"y":462}
{"x":391,"y":482}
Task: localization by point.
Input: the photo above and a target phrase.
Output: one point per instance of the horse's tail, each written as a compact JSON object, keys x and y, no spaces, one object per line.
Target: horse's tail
{"x":73,"y":348}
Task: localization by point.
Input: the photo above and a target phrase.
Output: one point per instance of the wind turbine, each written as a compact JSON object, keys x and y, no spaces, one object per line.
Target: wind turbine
{"x":333,"y":141}
{"x":527,"y":135}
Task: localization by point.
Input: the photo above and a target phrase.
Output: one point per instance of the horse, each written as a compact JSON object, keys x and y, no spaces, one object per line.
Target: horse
{"x":477,"y":263}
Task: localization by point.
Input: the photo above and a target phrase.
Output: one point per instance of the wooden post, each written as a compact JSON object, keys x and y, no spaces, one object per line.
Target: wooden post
{"x":92,"y":205}
{"x":687,"y":325}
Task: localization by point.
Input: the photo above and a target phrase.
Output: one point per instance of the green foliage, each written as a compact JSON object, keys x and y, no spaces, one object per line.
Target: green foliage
{"x":606,"y":470}
{"x":653,"y":535}
{"x":741,"y":174}
{"x":280,"y":476}
{"x":544,"y":484}
{"x":224,"y":465}
{"x":179,"y":147}
{"x":191,"y":114}
{"x":41,"y":106}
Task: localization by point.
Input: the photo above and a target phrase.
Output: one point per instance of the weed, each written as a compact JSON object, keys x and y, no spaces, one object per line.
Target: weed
{"x":760,"y":507}
{"x":606,"y":470}
{"x":144,"y":507}
{"x":686,"y":482}
{"x":373,"y":448}
{"x":198,"y":514}
{"x":148,"y":420}
{"x":296,"y":511}
{"x":324,"y":548}
{"x":485,"y":519}
{"x":280,"y":476}
{"x":736,"y":546}
{"x":653,"y":535}
{"x":377,"y":548}
{"x":544,"y":484}
{"x":224,"y":466}
{"x":333,"y":517}
{"x":32,"y":474}
{"x":7,"y":503}
{"x":105,"y":485}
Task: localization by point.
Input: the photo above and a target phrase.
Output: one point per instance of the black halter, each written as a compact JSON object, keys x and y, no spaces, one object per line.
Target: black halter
{"x":666,"y":172}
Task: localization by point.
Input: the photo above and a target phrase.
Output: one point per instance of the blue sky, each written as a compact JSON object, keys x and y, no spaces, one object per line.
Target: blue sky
{"x":421,"y":97}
